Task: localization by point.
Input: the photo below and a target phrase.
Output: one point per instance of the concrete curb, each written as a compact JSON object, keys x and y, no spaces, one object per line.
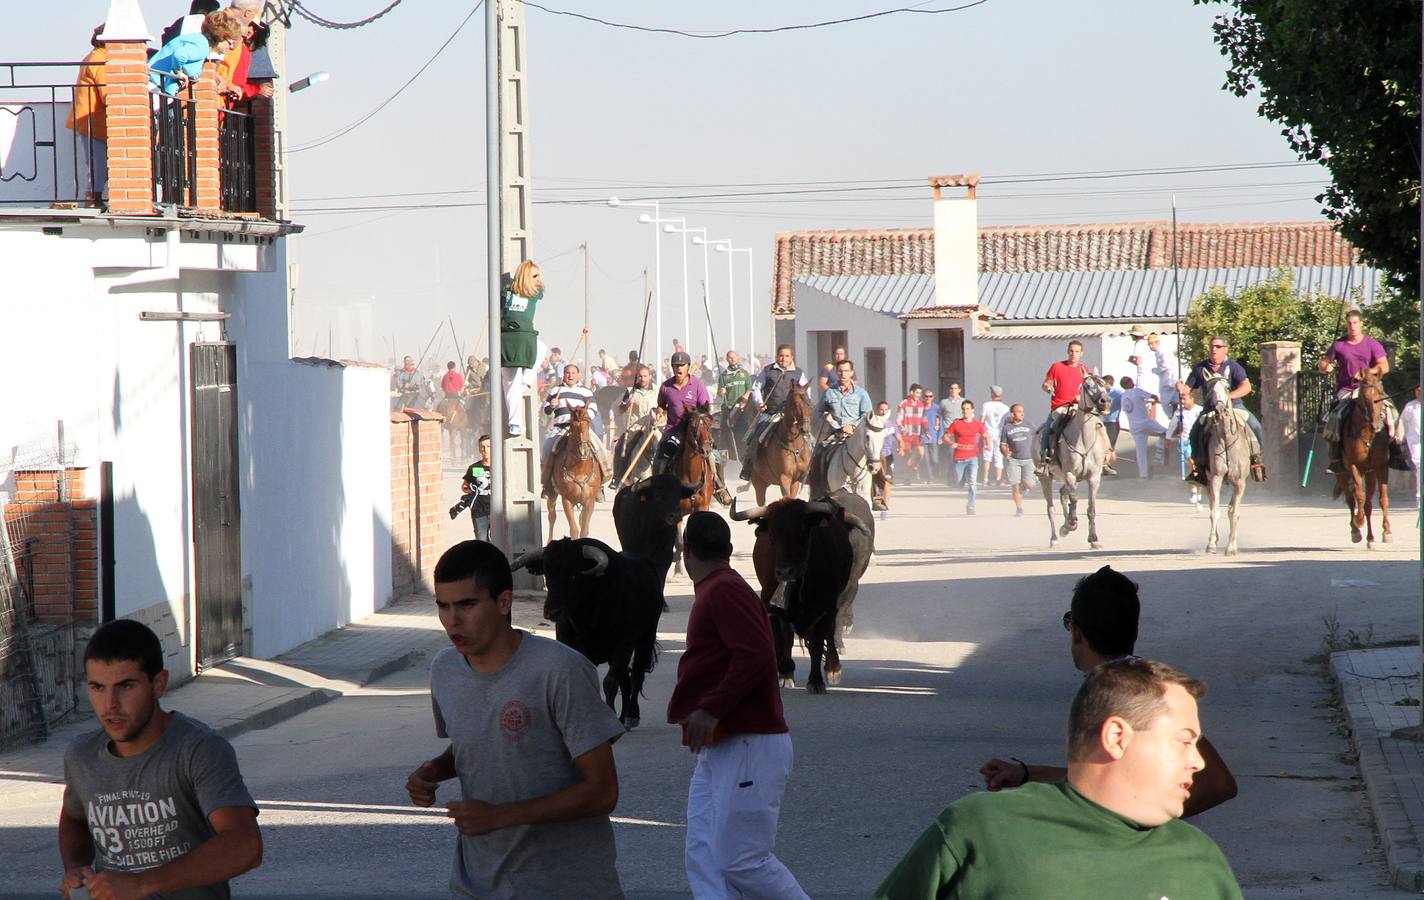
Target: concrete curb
{"x":1397,"y":835}
{"x":274,"y":710}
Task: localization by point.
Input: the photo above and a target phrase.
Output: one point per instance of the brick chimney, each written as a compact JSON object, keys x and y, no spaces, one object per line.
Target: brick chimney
{"x":129,"y":120}
{"x":956,"y":230}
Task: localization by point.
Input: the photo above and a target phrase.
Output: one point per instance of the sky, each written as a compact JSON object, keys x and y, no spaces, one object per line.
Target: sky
{"x":1006,"y":88}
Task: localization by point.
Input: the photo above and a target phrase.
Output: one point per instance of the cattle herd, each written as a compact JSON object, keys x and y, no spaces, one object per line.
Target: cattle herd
{"x":607,"y":603}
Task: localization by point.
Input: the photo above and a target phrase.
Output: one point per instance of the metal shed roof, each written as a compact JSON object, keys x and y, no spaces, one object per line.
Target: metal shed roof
{"x":1093,"y":296}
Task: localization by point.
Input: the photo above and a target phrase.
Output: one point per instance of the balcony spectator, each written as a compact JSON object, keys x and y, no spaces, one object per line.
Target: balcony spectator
{"x":246,"y":82}
{"x":88,"y":118}
{"x":248,"y":13}
{"x":181,"y":59}
{"x":192,"y":23}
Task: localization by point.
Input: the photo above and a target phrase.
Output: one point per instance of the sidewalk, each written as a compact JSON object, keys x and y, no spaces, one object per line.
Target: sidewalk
{"x":245,"y":694}
{"x":1379,"y":690}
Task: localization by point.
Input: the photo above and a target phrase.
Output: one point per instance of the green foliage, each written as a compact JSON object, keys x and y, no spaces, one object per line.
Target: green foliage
{"x":1342,"y":79}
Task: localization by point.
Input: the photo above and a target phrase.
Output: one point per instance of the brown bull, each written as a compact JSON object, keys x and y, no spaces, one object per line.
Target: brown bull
{"x":784,"y":457}
{"x":803,"y":550}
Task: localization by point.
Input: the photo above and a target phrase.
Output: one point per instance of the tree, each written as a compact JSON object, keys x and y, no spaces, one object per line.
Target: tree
{"x":1342,"y":79}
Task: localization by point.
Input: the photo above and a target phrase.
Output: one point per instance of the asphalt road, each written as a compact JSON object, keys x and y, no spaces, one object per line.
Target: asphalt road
{"x":958,"y":654}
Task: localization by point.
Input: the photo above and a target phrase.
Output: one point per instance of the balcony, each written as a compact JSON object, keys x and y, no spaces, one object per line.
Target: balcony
{"x":133,"y":152}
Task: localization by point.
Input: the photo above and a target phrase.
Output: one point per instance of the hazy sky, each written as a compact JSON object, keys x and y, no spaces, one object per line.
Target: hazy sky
{"x":1011,"y":87}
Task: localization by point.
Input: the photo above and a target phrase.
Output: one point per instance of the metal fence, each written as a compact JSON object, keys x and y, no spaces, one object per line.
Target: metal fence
{"x":237,"y":146}
{"x":175,"y":150}
{"x":43,"y":160}
{"x":1314,"y":395}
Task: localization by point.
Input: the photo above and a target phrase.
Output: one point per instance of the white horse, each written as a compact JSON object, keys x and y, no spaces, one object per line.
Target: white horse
{"x":1228,"y":447}
{"x":1080,"y":451}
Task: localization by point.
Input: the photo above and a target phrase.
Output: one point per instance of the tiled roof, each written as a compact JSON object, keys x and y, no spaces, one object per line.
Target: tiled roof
{"x":945,"y":312}
{"x":1059,"y":248}
{"x":942,"y":181}
{"x":888,"y":294}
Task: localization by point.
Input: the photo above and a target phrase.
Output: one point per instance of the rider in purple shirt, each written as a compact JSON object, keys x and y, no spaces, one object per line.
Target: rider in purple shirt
{"x":679,"y":395}
{"x":1350,"y":358}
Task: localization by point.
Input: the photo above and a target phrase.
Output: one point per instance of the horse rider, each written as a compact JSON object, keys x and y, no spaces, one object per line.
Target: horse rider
{"x":1063,"y":383}
{"x":676,"y":397}
{"x":769,"y":391}
{"x":560,"y":402}
{"x":1239,"y":385}
{"x":1352,"y":358}
{"x":408,"y":384}
{"x":843,"y":407}
{"x":636,"y":411}
{"x":734,"y":382}
{"x":453,"y":383}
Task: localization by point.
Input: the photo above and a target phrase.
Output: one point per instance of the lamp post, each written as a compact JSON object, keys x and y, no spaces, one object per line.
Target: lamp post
{"x":751,"y":312}
{"x":699,"y":239}
{"x":657,"y":278}
{"x":725,"y":246}
{"x":681,"y":228}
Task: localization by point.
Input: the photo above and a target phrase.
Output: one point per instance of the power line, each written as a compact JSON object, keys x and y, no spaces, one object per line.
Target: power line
{"x":704,"y":35}
{"x":300,"y":9}
{"x":367,"y":117}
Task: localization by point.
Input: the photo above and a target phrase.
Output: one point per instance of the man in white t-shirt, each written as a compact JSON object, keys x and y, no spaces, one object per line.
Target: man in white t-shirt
{"x":1409,"y":422}
{"x":1182,"y":423}
{"x":993,"y":415}
{"x":1139,"y":409}
{"x":1146,"y":357}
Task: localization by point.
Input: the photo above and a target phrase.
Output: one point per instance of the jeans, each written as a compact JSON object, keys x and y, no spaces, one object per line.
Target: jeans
{"x":966,"y":471}
{"x":482,"y":526}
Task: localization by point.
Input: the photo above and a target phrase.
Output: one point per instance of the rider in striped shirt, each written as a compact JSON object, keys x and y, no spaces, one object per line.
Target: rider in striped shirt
{"x":560,"y":403}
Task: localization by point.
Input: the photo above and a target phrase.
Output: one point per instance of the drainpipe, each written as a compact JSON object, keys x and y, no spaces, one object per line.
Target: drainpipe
{"x":904,"y":357}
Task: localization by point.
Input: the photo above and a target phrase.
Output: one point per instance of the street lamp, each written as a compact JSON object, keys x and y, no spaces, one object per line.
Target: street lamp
{"x":699,"y":239}
{"x":751,"y":303}
{"x":681,"y":228}
{"x":646,"y":219}
{"x":723,"y":246}
{"x":302,"y":84}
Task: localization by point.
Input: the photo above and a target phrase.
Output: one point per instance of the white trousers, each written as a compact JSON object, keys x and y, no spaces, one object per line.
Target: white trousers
{"x":1140,"y":440}
{"x":733,"y":804}
{"x":516,"y":381}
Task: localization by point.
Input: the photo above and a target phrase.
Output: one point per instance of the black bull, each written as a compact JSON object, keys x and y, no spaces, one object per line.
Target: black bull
{"x":606,"y":605}
{"x":817,"y":597}
{"x":646,"y":514}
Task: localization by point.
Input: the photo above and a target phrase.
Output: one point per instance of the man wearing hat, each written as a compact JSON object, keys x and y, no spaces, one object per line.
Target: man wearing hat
{"x":993,"y":415}
{"x":728,"y":702}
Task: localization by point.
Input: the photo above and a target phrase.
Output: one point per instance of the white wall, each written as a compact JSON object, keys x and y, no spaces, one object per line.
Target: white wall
{"x":817,"y":311}
{"x":956,"y":229}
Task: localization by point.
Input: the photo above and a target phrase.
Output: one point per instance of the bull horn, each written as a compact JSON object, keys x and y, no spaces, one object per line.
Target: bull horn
{"x":821,"y":507}
{"x":751,"y":515}
{"x":600,"y":560}
{"x":533,"y":557}
{"x":641,"y":486}
{"x":854,"y":521}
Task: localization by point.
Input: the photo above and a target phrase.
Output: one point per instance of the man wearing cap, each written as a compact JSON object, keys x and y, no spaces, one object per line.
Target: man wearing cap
{"x":1101,"y":622}
{"x":1143,"y":359}
{"x":769,"y":391}
{"x":992,"y":415}
{"x":728,"y":701}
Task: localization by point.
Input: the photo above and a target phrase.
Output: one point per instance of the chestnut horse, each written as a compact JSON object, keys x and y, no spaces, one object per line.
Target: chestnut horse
{"x":456,"y":428}
{"x":694,"y":464}
{"x":575,"y":475}
{"x":1364,"y":451}
{"x":784,"y":457}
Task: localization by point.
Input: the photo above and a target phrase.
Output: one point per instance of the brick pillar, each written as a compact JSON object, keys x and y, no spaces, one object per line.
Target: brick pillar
{"x":1280,"y":364}
{"x":429,"y":493}
{"x":418,"y":512}
{"x":209,"y":174}
{"x":265,"y":155}
{"x":405,"y":566}
{"x":60,"y":526}
{"x":130,"y":122}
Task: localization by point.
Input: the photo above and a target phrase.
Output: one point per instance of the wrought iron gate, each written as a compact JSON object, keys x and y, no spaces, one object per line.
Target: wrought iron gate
{"x":1314,"y":393}
{"x":216,"y":516}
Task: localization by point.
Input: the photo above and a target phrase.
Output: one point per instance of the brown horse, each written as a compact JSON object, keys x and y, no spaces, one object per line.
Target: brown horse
{"x":694,"y":464}
{"x":784,"y":457}
{"x":575,"y":474}
{"x":1364,"y":450}
{"x":456,"y":428}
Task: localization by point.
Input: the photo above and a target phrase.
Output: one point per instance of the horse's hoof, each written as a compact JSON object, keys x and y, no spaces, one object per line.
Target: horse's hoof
{"x":1072,"y":526}
{"x":1386,"y":538}
{"x":1095,"y":545}
{"x":1356,"y":537}
{"x":833,"y":678}
{"x":1053,"y":543}
{"x":813,"y":687}
{"x":1369,"y":545}
{"x":631,"y":722}
{"x":788,"y":682}
{"x":1230,"y":551}
{"x":1062,"y":531}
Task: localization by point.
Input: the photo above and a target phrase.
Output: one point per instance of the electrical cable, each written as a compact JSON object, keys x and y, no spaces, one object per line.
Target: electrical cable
{"x":704,"y":35}
{"x":300,"y":9}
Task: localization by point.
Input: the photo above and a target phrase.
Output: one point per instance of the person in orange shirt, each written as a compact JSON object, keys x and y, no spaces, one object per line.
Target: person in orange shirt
{"x":88,"y":119}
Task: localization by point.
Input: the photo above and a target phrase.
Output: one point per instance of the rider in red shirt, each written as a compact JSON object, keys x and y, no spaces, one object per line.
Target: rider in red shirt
{"x":1063,"y":381}
{"x":453,"y":382}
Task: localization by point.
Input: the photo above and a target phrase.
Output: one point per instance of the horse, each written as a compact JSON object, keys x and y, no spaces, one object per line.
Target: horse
{"x":694,"y":463}
{"x":845,"y":461}
{"x":785,"y":453}
{"x":1364,"y":451}
{"x":627,"y":446}
{"x":1079,"y":451}
{"x":1228,"y":448}
{"x":456,"y":427}
{"x":575,"y":474}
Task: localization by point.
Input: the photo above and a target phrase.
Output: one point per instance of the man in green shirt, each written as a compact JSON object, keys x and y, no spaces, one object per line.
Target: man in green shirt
{"x":1112,"y":828}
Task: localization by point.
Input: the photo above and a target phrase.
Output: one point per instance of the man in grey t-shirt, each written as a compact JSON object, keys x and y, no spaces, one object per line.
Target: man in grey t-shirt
{"x":154,"y":803}
{"x":530,"y":741}
{"x":1016,"y":443}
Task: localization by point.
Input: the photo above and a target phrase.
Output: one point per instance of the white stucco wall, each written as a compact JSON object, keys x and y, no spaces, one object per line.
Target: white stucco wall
{"x":817,"y":311}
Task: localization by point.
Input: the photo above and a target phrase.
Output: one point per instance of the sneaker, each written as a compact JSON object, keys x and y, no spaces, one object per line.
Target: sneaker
{"x":1109,"y":470}
{"x":969,"y":510}
{"x":884,"y":513}
{"x":1018,"y":514}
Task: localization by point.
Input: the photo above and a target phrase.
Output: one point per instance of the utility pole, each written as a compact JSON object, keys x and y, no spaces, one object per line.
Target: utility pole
{"x":499,"y":496}
{"x":587,"y":338}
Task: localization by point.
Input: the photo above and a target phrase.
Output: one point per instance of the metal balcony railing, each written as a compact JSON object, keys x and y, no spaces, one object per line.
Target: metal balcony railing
{"x":42,"y":160}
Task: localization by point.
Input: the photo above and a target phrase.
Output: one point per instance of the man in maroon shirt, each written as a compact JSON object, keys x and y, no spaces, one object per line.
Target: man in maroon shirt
{"x":728,"y":702}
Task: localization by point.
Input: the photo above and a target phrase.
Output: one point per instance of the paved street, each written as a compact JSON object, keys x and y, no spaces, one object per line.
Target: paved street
{"x":958,"y":654}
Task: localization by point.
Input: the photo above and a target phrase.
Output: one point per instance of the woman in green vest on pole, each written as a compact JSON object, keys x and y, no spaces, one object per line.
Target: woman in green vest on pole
{"x":519,"y":340}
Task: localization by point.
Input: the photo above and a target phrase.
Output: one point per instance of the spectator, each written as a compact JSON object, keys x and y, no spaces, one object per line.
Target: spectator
{"x":993,"y":418}
{"x":88,"y":118}
{"x":950,"y":405}
{"x":239,"y":58}
{"x":452,"y":383}
{"x":1109,"y":829}
{"x":1409,"y":424}
{"x":1110,"y":421}
{"x":181,"y":59}
{"x":1182,"y":424}
{"x":629,"y":373}
{"x":553,"y":367}
{"x":881,"y":423}
{"x":599,"y":378}
{"x":1101,"y":622}
{"x":1138,"y":408}
{"x":1016,"y":443}
{"x":531,"y":741}
{"x":910,"y":423}
{"x":243,"y":86}
{"x":475,"y":488}
{"x":191,"y":23}
{"x":934,"y":433}
{"x":519,"y":340}
{"x":969,"y":437}
{"x":728,"y":702}
{"x":828,"y":378}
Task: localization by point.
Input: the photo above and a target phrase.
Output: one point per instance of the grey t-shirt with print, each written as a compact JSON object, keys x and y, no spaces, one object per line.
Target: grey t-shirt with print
{"x":147,"y":810}
{"x":515,"y":734}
